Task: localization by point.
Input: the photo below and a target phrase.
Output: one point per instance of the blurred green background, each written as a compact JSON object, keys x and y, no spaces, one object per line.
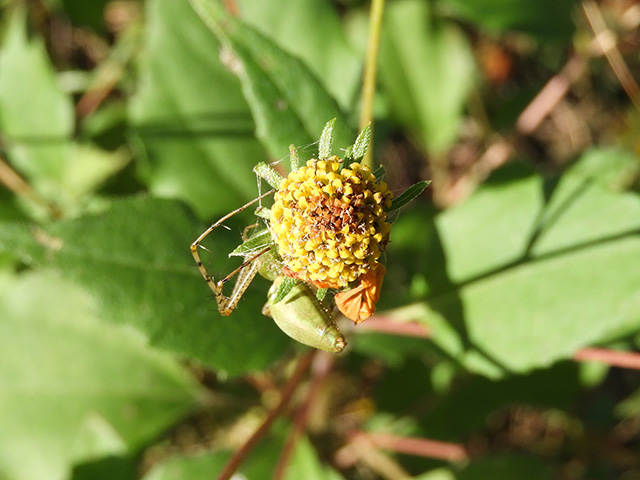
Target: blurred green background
{"x":126,"y":127}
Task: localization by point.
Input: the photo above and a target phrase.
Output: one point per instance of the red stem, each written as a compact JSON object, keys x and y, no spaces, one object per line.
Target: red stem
{"x":383,"y":324}
{"x":610,"y":357}
{"x":321,"y":367}
{"x":287,"y":392}
{"x":422,"y":447}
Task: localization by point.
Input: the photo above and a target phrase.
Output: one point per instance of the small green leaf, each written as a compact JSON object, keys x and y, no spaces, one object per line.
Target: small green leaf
{"x":321,"y":293}
{"x":285,"y":287}
{"x":549,"y":20}
{"x":360,"y":146}
{"x":263,"y":212}
{"x":325,"y":144}
{"x":294,"y":158}
{"x":268,"y":174}
{"x":192,"y":467}
{"x":379,"y":173}
{"x":409,"y":194}
{"x":258,"y":242}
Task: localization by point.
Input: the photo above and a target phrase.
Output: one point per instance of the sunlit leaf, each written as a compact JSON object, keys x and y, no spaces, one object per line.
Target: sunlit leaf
{"x":75,"y":388}
{"x":288,"y":103}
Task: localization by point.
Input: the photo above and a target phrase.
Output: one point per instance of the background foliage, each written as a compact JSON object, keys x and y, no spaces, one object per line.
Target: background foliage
{"x":128,"y":126}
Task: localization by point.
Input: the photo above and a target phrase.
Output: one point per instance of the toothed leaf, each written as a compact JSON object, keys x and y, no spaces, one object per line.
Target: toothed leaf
{"x":361,"y":145}
{"x":253,"y":245}
{"x":326,"y":140}
{"x":263,"y":212}
{"x":267,"y":172}
{"x":379,"y":173}
{"x":409,"y":194}
{"x":294,"y":158}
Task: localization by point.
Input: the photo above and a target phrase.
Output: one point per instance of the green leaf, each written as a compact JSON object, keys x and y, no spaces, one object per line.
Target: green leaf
{"x":498,"y":467}
{"x":506,"y":467}
{"x":268,"y":174}
{"x":284,"y":288}
{"x":306,"y":464}
{"x":36,"y":117}
{"x":437,"y":474}
{"x":193,"y":467}
{"x":190,"y":117}
{"x":529,"y":264}
{"x":253,"y":245}
{"x":134,"y":258}
{"x":288,"y":103}
{"x":107,"y":468}
{"x":630,"y":406}
{"x":409,"y":194}
{"x":427,"y":70}
{"x":380,"y":173}
{"x":454,"y":417}
{"x":360,"y":146}
{"x":549,"y":20}
{"x":329,"y":56}
{"x":90,"y":14}
{"x":75,"y":388}
{"x":326,"y":140}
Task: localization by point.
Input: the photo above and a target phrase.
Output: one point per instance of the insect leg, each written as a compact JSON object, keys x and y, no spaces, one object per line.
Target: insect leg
{"x":226,"y":304}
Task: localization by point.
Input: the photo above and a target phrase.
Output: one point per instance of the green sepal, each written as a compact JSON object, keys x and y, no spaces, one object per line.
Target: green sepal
{"x":294,"y":158}
{"x":357,"y":151}
{"x":409,"y":194}
{"x":284,"y":288}
{"x":257,"y":242}
{"x":379,"y":173}
{"x":321,"y":293}
{"x":263,"y":212}
{"x":268,"y":173}
{"x":325,"y":145}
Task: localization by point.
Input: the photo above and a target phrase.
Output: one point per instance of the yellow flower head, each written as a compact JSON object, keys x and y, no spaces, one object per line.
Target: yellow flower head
{"x":329,"y":222}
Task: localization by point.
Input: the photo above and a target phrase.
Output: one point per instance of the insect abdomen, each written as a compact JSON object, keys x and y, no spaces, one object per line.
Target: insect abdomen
{"x":300,"y":316}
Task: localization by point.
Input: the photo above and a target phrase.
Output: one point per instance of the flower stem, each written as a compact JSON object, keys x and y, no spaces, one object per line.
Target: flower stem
{"x":370,"y":71}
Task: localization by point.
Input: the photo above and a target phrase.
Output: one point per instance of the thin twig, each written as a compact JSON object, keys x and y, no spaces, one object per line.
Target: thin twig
{"x":109,"y":73}
{"x":371,"y":71}
{"x":15,"y":183}
{"x":614,"y":358}
{"x":550,"y":95}
{"x":321,"y":367}
{"x":382,"y":324}
{"x":610,"y":50}
{"x":365,"y":452}
{"x":422,"y":447}
{"x":379,"y":323}
{"x":287,"y":392}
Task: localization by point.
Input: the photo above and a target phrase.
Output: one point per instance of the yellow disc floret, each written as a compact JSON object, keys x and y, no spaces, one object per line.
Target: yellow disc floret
{"x":329,"y":222}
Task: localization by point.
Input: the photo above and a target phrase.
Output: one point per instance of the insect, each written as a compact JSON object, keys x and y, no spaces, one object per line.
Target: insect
{"x":319,"y":244}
